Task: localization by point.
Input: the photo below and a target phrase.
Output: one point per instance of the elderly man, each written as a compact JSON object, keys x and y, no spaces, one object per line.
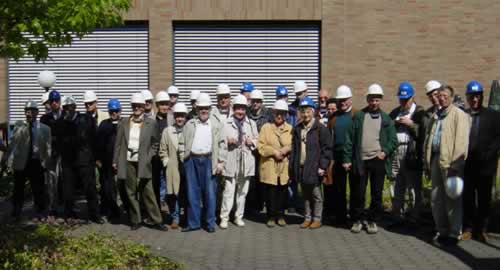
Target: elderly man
{"x":246,"y":89}
{"x":193,"y":97}
{"x":223,"y":108}
{"x":199,"y":148}
{"x":446,"y":146}
{"x":369,"y":143}
{"x":481,"y":163}
{"x":173,"y":93}
{"x":148,"y":108}
{"x":323,"y":105}
{"x":90,"y":101}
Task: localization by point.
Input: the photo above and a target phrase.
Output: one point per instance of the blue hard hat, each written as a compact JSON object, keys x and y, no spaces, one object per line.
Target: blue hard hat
{"x":405,"y":90}
{"x":281,"y":91}
{"x":114,"y":104}
{"x":54,"y":95}
{"x":246,"y":87}
{"x":474,"y":87}
{"x":307,"y":102}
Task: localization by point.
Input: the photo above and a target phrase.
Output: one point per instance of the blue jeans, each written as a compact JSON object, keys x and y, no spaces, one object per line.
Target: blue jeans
{"x":200,"y":185}
{"x":163,"y":185}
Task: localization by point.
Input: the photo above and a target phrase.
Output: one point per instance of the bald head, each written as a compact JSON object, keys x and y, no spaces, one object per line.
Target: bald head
{"x":323,"y":96}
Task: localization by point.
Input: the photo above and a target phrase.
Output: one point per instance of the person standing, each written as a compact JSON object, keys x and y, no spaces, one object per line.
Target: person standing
{"x":148,"y":107}
{"x":199,"y":149}
{"x":446,"y":145}
{"x":169,"y":154}
{"x":369,"y":142}
{"x":258,"y":111}
{"x":323,"y":106}
{"x":309,"y":160}
{"x":407,"y":162}
{"x":274,"y":146}
{"x":30,"y":149}
{"x":90,"y":101}
{"x":238,"y":161}
{"x":246,"y":89}
{"x":481,"y":164}
{"x":136,"y":144}
{"x":223,"y":108}
{"x":173,"y":93}
{"x":193,"y":97}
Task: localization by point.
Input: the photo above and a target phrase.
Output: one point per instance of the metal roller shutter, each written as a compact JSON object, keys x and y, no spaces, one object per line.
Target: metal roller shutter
{"x":111,"y":62}
{"x":266,"y":54}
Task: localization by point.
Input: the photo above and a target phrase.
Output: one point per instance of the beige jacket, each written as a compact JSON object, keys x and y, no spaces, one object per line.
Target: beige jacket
{"x":169,"y":154}
{"x":272,"y":138}
{"x":230,"y":155}
{"x":455,"y":129}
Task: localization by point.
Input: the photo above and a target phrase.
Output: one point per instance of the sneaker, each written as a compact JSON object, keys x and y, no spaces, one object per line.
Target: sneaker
{"x":315,"y":225}
{"x":357,"y":227}
{"x":372,"y":228}
{"x":305,"y":224}
{"x":281,"y":222}
{"x":239,"y":222}
{"x":270,"y":223}
{"x":223,"y":224}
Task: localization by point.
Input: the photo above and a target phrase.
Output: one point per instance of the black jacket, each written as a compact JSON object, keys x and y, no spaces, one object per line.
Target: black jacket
{"x":105,"y":142}
{"x":76,"y":140}
{"x":484,"y":159}
{"x":48,"y":119}
{"x":318,"y":153}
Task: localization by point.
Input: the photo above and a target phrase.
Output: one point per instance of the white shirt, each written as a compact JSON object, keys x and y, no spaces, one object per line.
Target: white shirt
{"x":403,"y":133}
{"x":202,"y":141}
{"x":133,"y":142}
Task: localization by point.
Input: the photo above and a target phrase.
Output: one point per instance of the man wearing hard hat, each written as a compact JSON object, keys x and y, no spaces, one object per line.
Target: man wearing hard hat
{"x":148,"y":107}
{"x":446,"y":145}
{"x":77,"y":134}
{"x":407,"y":162}
{"x":90,"y":101}
{"x":246,"y":89}
{"x":29,"y":153}
{"x":369,"y":143}
{"x":45,"y":101}
{"x":199,"y":149}
{"x":169,"y":154}
{"x":223,"y":108}
{"x":481,"y":164}
{"x":193,"y":97}
{"x":239,"y":140}
{"x":173,"y":93}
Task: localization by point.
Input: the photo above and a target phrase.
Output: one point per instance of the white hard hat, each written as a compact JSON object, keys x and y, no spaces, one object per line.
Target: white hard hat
{"x":147,"y":94}
{"x":138,"y":98}
{"x":45,"y":97}
{"x":256,"y":94}
{"x":68,"y":100}
{"x":223,"y":89}
{"x":431,"y":86}
{"x":89,"y":96}
{"x":31,"y":104}
{"x":454,"y":186}
{"x":172,"y":90}
{"x":203,"y":100}
{"x":194,"y":95}
{"x":180,"y":108}
{"x":343,"y":91}
{"x":375,"y":89}
{"x":299,"y":86}
{"x":240,"y":100}
{"x":46,"y":78}
{"x":280,"y":105}
{"x":162,"y":96}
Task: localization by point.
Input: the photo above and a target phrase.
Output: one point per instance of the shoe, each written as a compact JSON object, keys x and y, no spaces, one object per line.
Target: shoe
{"x":174,"y":225}
{"x":483,"y":237}
{"x":357,"y":227}
{"x":211,"y":230}
{"x":189,"y":229}
{"x":239,"y":222}
{"x":281,"y":222}
{"x":305,"y":224}
{"x":97,"y":219}
{"x":466,"y":235}
{"x":450,"y":241}
{"x":223,"y":224}
{"x":270,"y":223}
{"x":372,"y":228}
{"x":315,"y":225}
{"x":161,"y":227}
{"x":135,"y":227}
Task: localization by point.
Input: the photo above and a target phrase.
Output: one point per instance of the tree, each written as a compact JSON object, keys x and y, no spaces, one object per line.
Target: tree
{"x":52,"y":23}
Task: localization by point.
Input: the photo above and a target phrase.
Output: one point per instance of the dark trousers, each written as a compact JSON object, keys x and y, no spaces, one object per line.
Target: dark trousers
{"x":109,"y":205}
{"x":275,"y":196}
{"x":477,"y":188}
{"x":86,"y":174}
{"x":335,"y":194}
{"x":374,"y":169}
{"x":34,"y":173}
{"x":157,"y":167}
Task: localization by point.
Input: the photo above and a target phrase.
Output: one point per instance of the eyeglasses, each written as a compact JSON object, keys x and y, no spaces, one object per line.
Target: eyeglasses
{"x":149,"y":101}
{"x":137,"y":105}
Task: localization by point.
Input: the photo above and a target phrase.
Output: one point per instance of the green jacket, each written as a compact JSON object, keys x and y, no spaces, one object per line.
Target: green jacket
{"x":352,"y":145}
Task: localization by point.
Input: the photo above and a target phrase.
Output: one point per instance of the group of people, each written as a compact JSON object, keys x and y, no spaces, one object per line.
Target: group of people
{"x":301,"y":156}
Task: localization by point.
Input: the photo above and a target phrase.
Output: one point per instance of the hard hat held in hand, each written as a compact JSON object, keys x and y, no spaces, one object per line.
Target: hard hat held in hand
{"x":47,"y":78}
{"x":172,"y":90}
{"x":240,"y":100}
{"x":257,"y":94}
{"x":299,"y":86}
{"x":343,"y":91}
{"x":180,"y":108}
{"x":194,"y":95}
{"x":375,"y":89}
{"x":280,"y":105}
{"x":162,"y":96}
{"x":147,"y":95}
{"x":138,"y":98}
{"x":223,"y":89}
{"x":89,"y":96}
{"x":454,"y":187}
{"x":203,"y":100}
{"x":431,"y":86}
